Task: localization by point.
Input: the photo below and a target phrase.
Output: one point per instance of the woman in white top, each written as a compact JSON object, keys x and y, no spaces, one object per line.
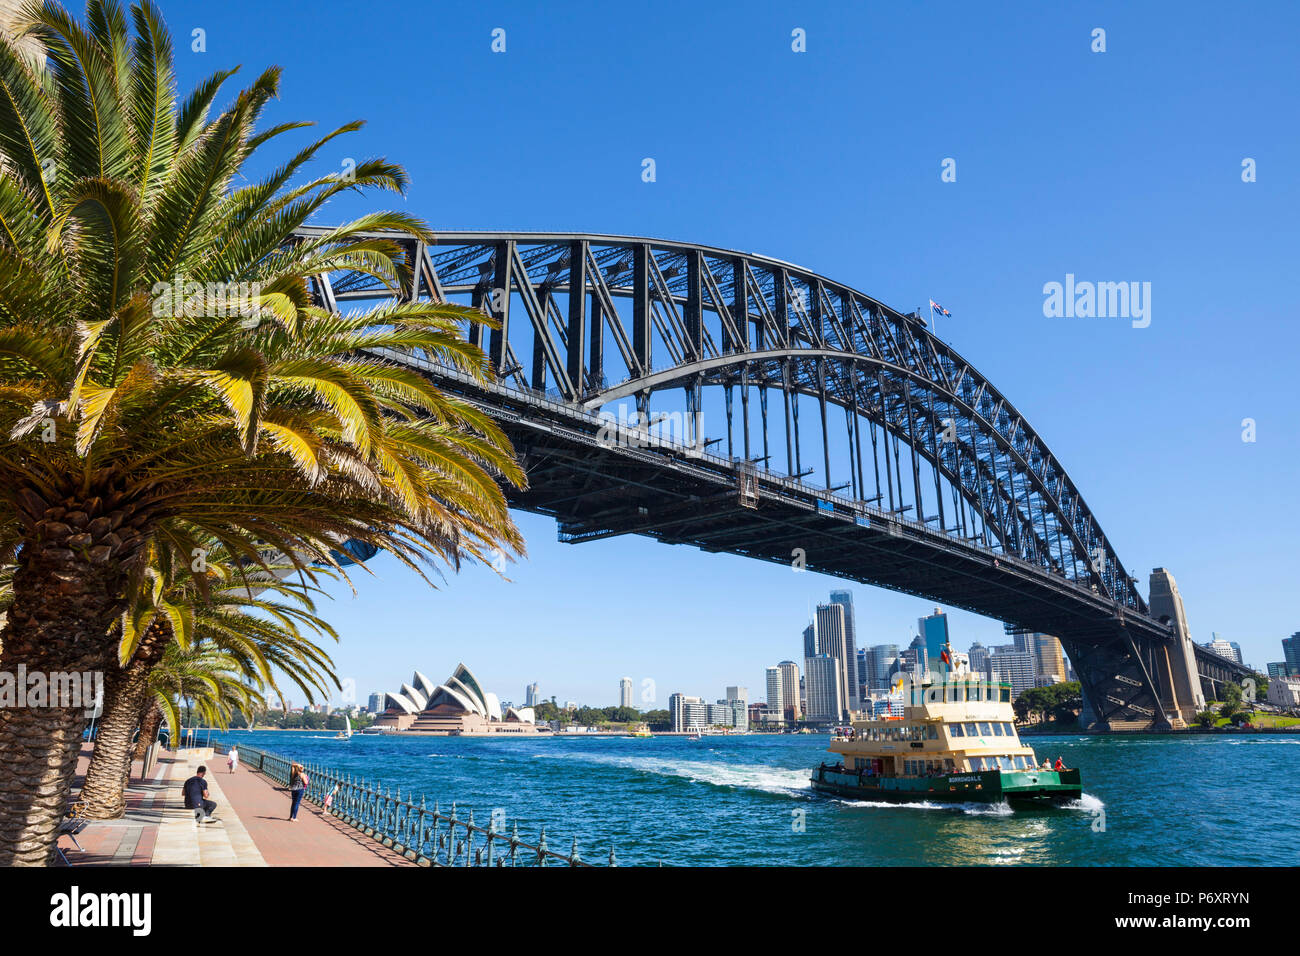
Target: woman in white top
{"x":233,"y":759}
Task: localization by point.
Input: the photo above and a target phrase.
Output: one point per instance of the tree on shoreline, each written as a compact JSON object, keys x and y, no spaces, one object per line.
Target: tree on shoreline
{"x":136,"y":408}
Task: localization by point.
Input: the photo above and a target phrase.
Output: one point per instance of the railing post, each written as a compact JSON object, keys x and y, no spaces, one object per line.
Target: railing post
{"x":541,"y":849}
{"x":469,"y":839}
{"x":451,"y":835}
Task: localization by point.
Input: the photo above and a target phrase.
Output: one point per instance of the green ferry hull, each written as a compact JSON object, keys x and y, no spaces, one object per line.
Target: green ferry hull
{"x":1023,"y":787}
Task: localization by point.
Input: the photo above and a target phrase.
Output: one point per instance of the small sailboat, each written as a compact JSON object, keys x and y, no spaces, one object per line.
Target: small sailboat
{"x":345,"y":734}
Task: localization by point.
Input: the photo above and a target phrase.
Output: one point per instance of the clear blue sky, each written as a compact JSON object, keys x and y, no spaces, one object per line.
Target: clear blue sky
{"x":1122,"y":165}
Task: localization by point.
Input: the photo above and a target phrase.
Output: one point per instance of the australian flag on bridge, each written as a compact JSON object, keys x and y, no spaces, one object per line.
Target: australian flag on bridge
{"x":937,"y":309}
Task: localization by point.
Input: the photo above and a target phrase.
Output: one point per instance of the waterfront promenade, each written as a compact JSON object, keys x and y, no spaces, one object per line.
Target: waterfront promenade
{"x":251,"y":827}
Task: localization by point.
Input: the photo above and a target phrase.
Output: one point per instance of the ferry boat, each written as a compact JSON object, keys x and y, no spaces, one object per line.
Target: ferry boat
{"x":955,"y":742}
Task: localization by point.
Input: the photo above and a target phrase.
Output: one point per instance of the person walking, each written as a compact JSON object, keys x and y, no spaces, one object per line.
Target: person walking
{"x":298,"y":781}
{"x":232,"y":759}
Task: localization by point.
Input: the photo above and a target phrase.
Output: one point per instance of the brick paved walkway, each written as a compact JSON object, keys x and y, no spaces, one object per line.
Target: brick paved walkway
{"x":251,"y":827}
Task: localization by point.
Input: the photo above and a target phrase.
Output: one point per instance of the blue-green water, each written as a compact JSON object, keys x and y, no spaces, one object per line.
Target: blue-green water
{"x":1191,"y":801}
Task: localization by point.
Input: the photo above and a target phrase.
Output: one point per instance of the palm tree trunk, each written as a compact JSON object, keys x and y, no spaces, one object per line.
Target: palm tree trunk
{"x":151,"y":717}
{"x":126,"y":690}
{"x":68,"y":589}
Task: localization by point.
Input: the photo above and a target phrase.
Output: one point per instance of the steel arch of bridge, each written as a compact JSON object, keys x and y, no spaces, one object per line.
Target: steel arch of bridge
{"x":587,"y":320}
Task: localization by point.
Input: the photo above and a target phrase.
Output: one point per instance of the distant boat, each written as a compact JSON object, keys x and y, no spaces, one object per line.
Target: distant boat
{"x":694,"y":737}
{"x":640,"y":733}
{"x":347,"y":733}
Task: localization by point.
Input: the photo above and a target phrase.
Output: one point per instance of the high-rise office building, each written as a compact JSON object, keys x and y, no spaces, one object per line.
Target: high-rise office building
{"x":934,"y":631}
{"x":1291,"y":653}
{"x":776,"y":704}
{"x":687,"y":713}
{"x":375,"y":704}
{"x":1049,"y":659}
{"x":1050,"y":664}
{"x":739,"y":712}
{"x":810,"y":641}
{"x":1008,"y":664}
{"x":531,"y":695}
{"x":738,"y":693}
{"x":790,"y":690}
{"x":883,"y":657}
{"x":832,"y":639}
{"x":625,"y":692}
{"x":979,"y":659}
{"x":854,"y":679}
{"x":824,"y":678}
{"x":1229,"y":649}
{"x":916,"y":659}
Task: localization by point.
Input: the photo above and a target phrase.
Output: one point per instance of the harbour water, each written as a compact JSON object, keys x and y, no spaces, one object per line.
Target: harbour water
{"x":745,"y":800}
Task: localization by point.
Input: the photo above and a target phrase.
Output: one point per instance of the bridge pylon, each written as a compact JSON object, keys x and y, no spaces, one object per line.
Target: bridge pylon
{"x":1185,"y":696}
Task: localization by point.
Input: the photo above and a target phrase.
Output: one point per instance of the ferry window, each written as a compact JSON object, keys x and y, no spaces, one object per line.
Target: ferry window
{"x":972,"y":730}
{"x":986,"y":730}
{"x":1005,"y":696}
{"x":1010,"y":731}
{"x":997,"y":729}
{"x":1005,"y":763}
{"x":957,"y":731}
{"x":934,"y":732}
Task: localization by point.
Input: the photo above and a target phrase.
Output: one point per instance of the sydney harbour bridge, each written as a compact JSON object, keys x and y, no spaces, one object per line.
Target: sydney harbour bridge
{"x":746,"y":405}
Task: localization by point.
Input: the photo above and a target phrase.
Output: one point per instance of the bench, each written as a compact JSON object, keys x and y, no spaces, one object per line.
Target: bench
{"x":73,"y":824}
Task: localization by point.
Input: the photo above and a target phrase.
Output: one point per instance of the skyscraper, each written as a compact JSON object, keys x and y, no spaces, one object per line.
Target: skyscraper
{"x":790,"y":690}
{"x":738,"y":693}
{"x":979,"y":659}
{"x":776,"y":704}
{"x":882,"y":658}
{"x":1291,"y":653}
{"x":1008,"y":664}
{"x":810,"y":641}
{"x":934,"y":631}
{"x":917,"y":658}
{"x":824,"y":678}
{"x":625,"y":692}
{"x":832,"y":639}
{"x":531,"y":696}
{"x":845,"y":600}
{"x":1049,"y":659}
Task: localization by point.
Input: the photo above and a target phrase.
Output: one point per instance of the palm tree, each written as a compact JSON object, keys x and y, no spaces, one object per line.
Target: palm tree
{"x":238,"y":615}
{"x":213,"y":683}
{"x":137,"y":407}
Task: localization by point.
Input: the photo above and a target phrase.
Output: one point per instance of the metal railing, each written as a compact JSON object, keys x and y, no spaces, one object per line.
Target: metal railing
{"x":429,"y":837}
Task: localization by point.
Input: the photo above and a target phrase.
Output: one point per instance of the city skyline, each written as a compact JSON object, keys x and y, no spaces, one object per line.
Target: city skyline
{"x":741,"y":665}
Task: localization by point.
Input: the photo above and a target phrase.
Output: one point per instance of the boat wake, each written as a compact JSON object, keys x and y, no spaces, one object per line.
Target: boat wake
{"x":1087,"y":803}
{"x":970,"y":809}
{"x":777,"y":780}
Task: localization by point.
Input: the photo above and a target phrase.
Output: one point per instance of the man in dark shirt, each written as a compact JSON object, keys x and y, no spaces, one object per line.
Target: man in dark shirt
{"x":196,"y":795}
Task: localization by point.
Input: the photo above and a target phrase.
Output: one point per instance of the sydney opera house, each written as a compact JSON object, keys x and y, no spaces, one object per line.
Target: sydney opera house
{"x":458,"y":706}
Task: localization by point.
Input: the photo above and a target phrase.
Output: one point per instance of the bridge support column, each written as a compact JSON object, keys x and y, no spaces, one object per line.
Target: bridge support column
{"x":1186,"y":698}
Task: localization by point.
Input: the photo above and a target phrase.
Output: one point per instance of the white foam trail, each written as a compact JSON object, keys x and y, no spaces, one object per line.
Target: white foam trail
{"x":745,"y":776}
{"x":1002,"y":809}
{"x":1086,"y":802}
